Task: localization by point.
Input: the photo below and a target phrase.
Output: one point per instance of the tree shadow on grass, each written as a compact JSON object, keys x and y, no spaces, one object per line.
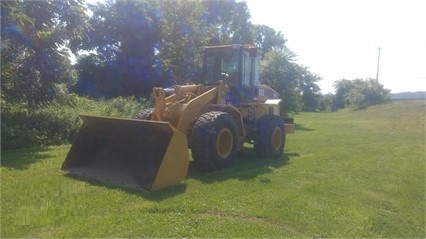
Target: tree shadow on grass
{"x":22,"y":158}
{"x":246,"y":166}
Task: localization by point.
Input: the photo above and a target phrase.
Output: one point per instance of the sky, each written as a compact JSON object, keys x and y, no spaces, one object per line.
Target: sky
{"x":339,"y":39}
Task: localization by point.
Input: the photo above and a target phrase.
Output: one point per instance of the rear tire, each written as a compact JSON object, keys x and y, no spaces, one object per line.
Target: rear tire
{"x":145,"y":114}
{"x":270,"y":136}
{"x":214,"y":143}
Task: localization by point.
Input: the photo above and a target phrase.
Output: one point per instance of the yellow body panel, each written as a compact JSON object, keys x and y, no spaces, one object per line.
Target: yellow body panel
{"x":194,"y":107}
{"x":175,"y":163}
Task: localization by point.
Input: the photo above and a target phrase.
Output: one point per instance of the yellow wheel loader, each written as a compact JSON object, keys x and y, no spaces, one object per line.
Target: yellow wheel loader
{"x":214,"y":119}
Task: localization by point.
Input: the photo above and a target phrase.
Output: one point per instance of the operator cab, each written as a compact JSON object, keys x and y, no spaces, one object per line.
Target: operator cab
{"x":236,"y":66}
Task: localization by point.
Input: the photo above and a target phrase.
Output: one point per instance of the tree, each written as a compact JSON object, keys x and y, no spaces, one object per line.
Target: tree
{"x":311,"y":95}
{"x":181,"y":38}
{"x":188,"y":25}
{"x":277,"y":72}
{"x":227,"y":22}
{"x":89,"y":67}
{"x":266,"y":38}
{"x":145,"y":43}
{"x":148,"y":38}
{"x":126,"y":37}
{"x":342,"y":88}
{"x":326,"y":102}
{"x":359,"y":93}
{"x":296,"y":85}
{"x":34,"y":37}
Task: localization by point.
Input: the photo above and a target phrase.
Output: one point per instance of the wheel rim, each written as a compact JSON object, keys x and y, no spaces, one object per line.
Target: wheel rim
{"x":224,"y":143}
{"x":277,"y":137}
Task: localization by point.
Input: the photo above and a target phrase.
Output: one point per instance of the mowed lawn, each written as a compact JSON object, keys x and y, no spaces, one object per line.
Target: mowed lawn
{"x":344,"y":174}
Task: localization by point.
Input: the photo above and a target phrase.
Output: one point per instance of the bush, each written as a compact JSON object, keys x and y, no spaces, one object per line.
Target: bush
{"x":359,"y":93}
{"x":45,"y":126}
{"x":58,"y":122}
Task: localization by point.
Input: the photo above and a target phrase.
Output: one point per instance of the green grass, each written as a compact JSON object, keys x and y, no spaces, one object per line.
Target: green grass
{"x":345,"y":174}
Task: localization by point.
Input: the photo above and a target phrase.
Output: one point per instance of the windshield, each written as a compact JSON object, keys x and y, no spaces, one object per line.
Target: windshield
{"x":220,"y":63}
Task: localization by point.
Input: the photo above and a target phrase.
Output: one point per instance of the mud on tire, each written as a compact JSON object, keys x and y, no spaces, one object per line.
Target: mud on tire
{"x":270,"y":136}
{"x":214,"y":142}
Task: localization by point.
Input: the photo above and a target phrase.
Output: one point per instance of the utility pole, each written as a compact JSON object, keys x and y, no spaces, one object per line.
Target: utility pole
{"x":378,"y":65}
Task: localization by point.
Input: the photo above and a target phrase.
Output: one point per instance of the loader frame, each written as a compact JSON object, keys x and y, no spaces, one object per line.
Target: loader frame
{"x":213,"y":119}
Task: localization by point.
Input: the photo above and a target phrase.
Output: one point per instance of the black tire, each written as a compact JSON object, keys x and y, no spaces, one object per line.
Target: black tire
{"x":270,"y":136}
{"x":145,"y":114}
{"x":214,"y":142}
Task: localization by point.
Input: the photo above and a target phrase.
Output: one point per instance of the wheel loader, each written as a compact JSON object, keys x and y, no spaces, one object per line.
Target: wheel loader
{"x":213,"y":119}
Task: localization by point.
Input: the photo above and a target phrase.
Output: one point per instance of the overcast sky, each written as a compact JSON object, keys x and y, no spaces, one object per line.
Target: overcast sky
{"x":340,"y":38}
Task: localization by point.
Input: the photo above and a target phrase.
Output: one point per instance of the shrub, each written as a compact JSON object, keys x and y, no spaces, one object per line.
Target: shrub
{"x":45,"y":126}
{"x":58,"y":122}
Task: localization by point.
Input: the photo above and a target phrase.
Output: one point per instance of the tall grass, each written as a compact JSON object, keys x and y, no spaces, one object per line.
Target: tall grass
{"x":345,"y":174}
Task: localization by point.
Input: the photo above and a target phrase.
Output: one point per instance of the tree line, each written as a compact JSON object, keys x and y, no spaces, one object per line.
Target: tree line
{"x":126,"y":47}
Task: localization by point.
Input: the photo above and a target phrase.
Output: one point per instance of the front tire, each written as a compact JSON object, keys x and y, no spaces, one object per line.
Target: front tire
{"x":270,"y":136}
{"x":214,"y":143}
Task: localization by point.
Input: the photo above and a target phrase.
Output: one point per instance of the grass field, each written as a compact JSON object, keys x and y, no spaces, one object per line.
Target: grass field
{"x":345,"y":174}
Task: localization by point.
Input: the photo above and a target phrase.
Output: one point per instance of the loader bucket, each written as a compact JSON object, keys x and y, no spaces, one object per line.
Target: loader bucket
{"x":139,"y":154}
